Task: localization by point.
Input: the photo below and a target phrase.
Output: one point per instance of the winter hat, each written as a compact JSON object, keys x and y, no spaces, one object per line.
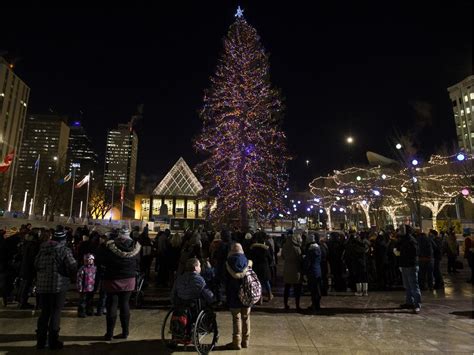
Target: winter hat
{"x":59,"y":233}
{"x":248,"y":236}
{"x":124,"y":233}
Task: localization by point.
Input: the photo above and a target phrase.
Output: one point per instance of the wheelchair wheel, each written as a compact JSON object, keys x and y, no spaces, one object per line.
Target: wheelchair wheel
{"x":166,"y":335}
{"x":205,"y":334}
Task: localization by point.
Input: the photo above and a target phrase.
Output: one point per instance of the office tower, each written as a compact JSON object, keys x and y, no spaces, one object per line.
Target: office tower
{"x":46,"y":136}
{"x":14,"y":95}
{"x":462,"y":98}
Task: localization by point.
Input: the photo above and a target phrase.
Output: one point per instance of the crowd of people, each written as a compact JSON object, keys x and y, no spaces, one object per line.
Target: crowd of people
{"x":211,"y":265}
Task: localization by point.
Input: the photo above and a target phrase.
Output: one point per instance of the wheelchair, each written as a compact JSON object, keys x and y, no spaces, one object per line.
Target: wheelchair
{"x":201,"y":332}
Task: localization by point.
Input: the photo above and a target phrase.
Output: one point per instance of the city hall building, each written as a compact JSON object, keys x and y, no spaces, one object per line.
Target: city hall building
{"x":177,"y":197}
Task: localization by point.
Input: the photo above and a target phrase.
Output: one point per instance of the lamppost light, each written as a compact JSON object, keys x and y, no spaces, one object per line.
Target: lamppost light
{"x":460,"y":157}
{"x":398,"y":146}
{"x":415,"y":179}
{"x":341,"y":191}
{"x":350,"y":140}
{"x":308,"y":209}
{"x":465,"y":192}
{"x":334,"y":209}
{"x":55,"y":158}
{"x":316,"y":200}
{"x":321,"y":210}
{"x":376,"y":192}
{"x":341,"y":209}
{"x":414,"y":162}
{"x":299,"y":202}
{"x":358,"y":178}
{"x":384,"y":176}
{"x":404,"y":189}
{"x":351,"y":191}
{"x":338,"y":198}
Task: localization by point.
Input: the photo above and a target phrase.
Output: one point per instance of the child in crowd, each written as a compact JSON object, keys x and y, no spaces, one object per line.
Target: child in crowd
{"x":85,"y":286}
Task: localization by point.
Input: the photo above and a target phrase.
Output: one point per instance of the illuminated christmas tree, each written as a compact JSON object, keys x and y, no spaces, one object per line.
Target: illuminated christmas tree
{"x":241,"y":137}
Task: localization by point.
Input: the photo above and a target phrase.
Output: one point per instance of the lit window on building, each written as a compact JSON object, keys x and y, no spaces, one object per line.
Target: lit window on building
{"x":156,"y":206}
{"x":191,"y":209}
{"x":179,"y":208}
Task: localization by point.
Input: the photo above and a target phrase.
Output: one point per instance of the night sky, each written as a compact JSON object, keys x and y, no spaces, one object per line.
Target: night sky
{"x":371,"y":70}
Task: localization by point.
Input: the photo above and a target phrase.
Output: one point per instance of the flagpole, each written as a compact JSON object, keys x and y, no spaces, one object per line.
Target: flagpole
{"x":111,"y":209}
{"x":10,"y":194}
{"x":36,"y":183}
{"x":72,"y":190}
{"x":121,"y":198}
{"x":87,"y":198}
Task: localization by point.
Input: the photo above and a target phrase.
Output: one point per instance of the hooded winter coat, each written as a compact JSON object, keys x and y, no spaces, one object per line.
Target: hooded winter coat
{"x":190,"y":286}
{"x":262,"y":259}
{"x":55,"y":266}
{"x":236,"y":268}
{"x":292,"y":254}
{"x":120,"y":259}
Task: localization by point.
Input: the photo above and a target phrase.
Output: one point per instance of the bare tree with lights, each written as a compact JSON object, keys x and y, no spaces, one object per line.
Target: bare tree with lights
{"x":324,"y":190}
{"x":241,"y":134}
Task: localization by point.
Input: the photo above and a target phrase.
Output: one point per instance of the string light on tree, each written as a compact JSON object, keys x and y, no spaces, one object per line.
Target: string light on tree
{"x":241,"y":137}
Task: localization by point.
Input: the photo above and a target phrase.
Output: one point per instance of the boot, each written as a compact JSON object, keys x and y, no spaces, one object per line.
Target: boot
{"x":270,"y":297}
{"x":41,"y":338}
{"x":124,"y":320}
{"x":359,"y":289}
{"x":235,"y":345}
{"x":365,"y":288}
{"x":110,"y":327}
{"x":53,"y":341}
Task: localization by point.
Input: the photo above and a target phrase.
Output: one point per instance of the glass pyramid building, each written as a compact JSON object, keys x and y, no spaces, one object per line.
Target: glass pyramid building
{"x":175,"y":196}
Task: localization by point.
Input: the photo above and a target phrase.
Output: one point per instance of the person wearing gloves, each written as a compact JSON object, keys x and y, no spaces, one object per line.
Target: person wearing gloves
{"x":120,"y":260}
{"x":55,"y":266}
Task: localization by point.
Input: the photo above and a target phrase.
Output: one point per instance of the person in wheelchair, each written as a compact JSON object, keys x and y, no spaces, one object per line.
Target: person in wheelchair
{"x":191,"y":286}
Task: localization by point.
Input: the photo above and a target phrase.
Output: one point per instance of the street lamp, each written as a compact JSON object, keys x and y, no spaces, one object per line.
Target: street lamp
{"x":398,"y":146}
{"x":414,"y":162}
{"x":307,"y":162}
{"x":350,"y":140}
{"x":460,"y":157}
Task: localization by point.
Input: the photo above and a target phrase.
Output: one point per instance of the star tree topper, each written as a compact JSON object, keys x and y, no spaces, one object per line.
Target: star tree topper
{"x":239,"y":13}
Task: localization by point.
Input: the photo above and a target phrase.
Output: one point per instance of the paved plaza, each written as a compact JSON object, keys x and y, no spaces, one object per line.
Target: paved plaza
{"x":347,"y":325}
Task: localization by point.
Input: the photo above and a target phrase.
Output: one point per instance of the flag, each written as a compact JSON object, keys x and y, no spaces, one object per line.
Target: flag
{"x":65,"y":179}
{"x":7,"y":162}
{"x":83,"y":181}
{"x":37,"y":163}
{"x":122,"y":193}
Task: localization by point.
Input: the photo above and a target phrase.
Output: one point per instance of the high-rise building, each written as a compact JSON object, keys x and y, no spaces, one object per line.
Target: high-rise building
{"x":121,"y":163}
{"x":46,"y":136}
{"x":462,"y":98}
{"x":14,"y":95}
{"x":80,"y":150}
